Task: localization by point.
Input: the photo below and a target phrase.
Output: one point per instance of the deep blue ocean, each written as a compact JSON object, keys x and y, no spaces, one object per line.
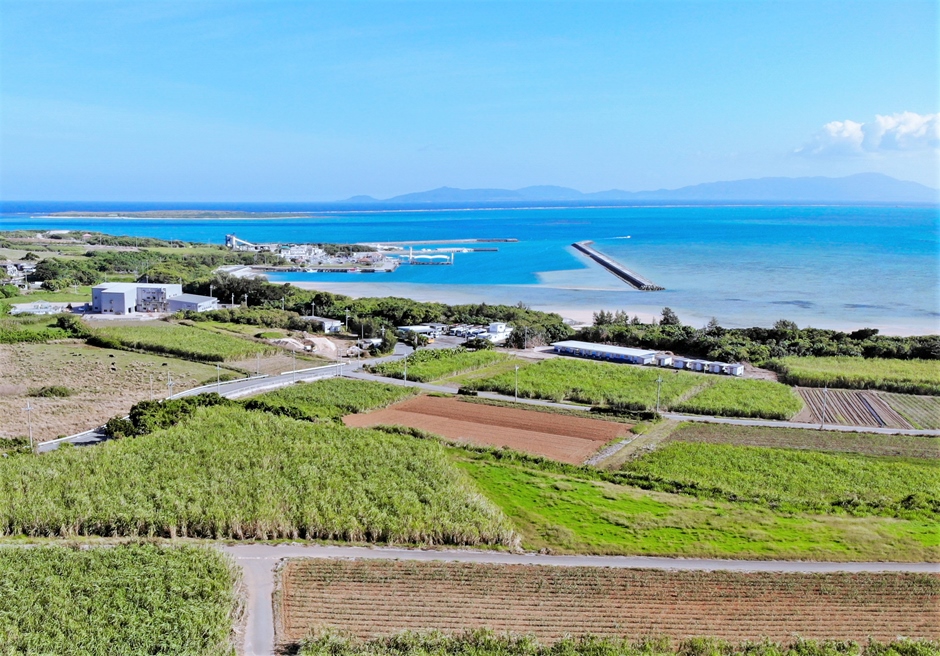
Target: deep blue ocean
{"x":830,"y":266}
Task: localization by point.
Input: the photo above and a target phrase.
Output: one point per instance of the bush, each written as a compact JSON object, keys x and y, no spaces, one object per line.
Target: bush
{"x":50,"y":391}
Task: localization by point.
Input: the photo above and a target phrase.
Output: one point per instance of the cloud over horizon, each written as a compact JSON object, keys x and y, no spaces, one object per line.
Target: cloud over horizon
{"x":902,"y":131}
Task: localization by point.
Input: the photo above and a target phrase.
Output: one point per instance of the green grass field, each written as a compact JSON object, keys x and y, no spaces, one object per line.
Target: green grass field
{"x":331,"y":398}
{"x":793,"y":480}
{"x":434,"y":364}
{"x":128,"y":599}
{"x":180,"y":341}
{"x":904,"y":376}
{"x":922,"y":411}
{"x":570,"y":512}
{"x":227,"y":472}
{"x":744,"y":398}
{"x":594,"y":383}
{"x":873,"y":444}
{"x":634,"y":388}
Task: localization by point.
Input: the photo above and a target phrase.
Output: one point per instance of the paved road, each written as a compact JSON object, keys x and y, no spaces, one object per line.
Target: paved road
{"x":258,"y":562}
{"x":232,"y":389}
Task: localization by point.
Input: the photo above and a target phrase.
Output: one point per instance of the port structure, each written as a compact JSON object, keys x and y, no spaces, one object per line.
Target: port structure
{"x":632,"y":278}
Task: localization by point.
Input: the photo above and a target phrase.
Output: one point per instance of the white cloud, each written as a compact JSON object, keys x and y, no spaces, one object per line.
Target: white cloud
{"x":904,"y":131}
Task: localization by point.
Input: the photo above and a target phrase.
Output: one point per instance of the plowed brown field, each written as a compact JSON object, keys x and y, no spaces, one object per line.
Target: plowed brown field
{"x":371,"y":598}
{"x":559,"y":437}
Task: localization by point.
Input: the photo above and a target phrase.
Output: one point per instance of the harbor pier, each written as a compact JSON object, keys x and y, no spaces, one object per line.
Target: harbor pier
{"x":632,"y":278}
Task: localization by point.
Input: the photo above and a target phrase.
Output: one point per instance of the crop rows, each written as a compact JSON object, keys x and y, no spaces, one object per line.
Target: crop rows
{"x":127,"y":599}
{"x":180,"y":341}
{"x":921,"y":411}
{"x":872,"y":444}
{"x":373,"y":598}
{"x":850,"y":408}
{"x":226,"y":472}
{"x":434,"y":364}
{"x":904,"y":376}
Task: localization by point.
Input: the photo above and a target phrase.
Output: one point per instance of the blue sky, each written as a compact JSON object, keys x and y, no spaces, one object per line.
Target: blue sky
{"x":294,"y":101}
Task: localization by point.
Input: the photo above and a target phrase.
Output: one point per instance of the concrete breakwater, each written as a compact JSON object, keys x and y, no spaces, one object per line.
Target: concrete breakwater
{"x":632,"y":278}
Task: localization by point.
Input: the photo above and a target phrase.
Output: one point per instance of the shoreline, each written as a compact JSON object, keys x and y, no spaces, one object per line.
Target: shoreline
{"x":452,"y":295}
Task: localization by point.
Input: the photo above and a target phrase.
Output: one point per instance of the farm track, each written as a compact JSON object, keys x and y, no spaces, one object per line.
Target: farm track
{"x":259,"y":560}
{"x":850,"y":408}
{"x":372,"y":598}
{"x":564,"y":438}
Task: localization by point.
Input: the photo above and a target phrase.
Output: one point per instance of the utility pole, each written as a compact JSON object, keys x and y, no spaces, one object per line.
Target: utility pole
{"x":822,"y":419}
{"x":347,"y":321}
{"x":659,"y":389}
{"x":29,"y":424}
{"x":211,"y":287}
{"x":406,"y":368}
{"x":258,"y":372}
{"x":169,"y":382}
{"x":516,"y":396}
{"x":233,"y":298}
{"x":151,"y":387}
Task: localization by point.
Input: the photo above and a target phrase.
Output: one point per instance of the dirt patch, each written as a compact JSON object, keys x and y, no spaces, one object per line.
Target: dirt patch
{"x":567,"y":439}
{"x":374,"y":598}
{"x":103,"y":382}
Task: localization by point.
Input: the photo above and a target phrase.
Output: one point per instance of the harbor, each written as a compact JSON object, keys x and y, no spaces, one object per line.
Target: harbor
{"x":632,"y":278}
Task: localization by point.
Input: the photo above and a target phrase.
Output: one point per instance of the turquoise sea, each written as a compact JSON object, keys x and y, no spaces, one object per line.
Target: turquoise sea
{"x":832,"y":266}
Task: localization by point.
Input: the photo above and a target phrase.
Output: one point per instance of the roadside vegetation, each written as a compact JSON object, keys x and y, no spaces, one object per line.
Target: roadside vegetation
{"x":872,"y":444}
{"x":793,"y":480}
{"x":730,"y":397}
{"x":180,"y":341}
{"x":226,"y":472}
{"x":570,"y":509}
{"x":904,"y":376}
{"x":329,"y":399}
{"x":133,"y":599}
{"x":434,"y":364}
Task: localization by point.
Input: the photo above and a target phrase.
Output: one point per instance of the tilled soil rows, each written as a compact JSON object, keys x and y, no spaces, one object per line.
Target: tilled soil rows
{"x":848,"y":408}
{"x":370,"y":598}
{"x":560,"y":437}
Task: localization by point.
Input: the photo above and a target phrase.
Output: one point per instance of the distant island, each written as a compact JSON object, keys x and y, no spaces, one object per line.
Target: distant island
{"x":859,"y":188}
{"x":183,"y":214}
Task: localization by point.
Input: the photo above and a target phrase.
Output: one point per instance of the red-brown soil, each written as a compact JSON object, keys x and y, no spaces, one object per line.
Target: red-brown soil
{"x":555,"y":436}
{"x":374,"y":598}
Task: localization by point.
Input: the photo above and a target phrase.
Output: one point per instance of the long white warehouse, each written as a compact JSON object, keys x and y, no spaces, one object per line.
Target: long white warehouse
{"x":641,"y":356}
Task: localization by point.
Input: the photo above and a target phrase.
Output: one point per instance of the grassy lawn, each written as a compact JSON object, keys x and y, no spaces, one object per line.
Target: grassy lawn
{"x":104,"y":383}
{"x":226,"y":472}
{"x":128,"y":599}
{"x":573,"y":513}
{"x":873,"y":444}
{"x":904,"y":376}
{"x":793,"y":480}
{"x":181,"y":341}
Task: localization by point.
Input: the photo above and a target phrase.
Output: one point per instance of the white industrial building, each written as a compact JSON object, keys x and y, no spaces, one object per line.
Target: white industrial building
{"x":131,"y":297}
{"x":640,"y":356}
{"x":604,"y":352}
{"x":329,"y":325}
{"x":192,"y":303}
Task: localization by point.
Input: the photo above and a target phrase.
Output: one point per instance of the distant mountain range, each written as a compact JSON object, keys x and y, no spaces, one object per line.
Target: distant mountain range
{"x":860,"y":188}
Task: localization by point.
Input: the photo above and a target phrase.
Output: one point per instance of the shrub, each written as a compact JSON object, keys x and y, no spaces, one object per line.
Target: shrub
{"x":50,"y":391}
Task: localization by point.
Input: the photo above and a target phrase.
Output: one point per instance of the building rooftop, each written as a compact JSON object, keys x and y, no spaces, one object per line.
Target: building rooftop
{"x":604,"y":348}
{"x":191,"y":298}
